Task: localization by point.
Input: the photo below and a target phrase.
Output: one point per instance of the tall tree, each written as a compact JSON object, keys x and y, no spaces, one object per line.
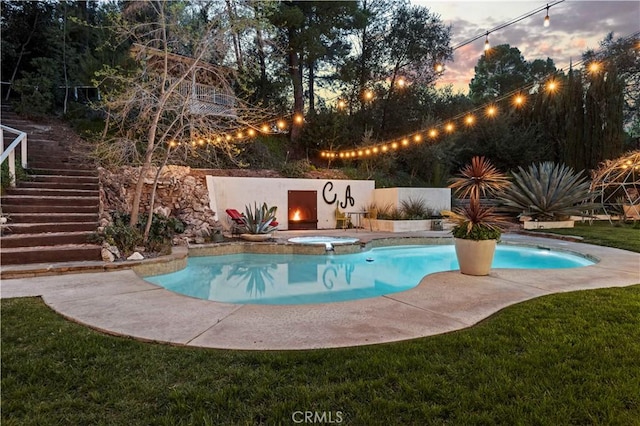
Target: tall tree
{"x":415,"y":42}
{"x":503,"y":69}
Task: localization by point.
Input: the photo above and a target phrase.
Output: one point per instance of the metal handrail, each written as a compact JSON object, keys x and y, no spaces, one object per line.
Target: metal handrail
{"x":10,"y":151}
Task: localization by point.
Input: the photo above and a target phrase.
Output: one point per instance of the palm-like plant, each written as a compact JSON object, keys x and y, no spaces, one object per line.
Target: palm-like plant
{"x":479,"y":178}
{"x":475,"y":221}
{"x":547,"y":191}
{"x":259,"y":219}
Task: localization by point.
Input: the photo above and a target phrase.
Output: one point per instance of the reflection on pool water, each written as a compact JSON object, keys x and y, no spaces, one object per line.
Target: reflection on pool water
{"x":300,"y":279}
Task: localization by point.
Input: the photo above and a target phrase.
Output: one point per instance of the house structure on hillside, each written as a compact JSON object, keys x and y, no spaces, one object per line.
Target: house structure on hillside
{"x":207,"y":86}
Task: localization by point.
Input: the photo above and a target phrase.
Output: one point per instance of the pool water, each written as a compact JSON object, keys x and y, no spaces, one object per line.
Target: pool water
{"x":301,"y":279}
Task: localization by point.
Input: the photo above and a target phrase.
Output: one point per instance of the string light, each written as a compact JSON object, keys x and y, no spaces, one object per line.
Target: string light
{"x":281,"y":124}
{"x":449,"y":127}
{"x":368,"y":95}
{"x":439,"y":67}
{"x":433,"y":133}
{"x":547,"y":20}
{"x":492,"y":111}
{"x":552,"y":85}
{"x":298,"y":119}
{"x":487,"y":46}
{"x":417,"y":138}
{"x":594,"y":67}
{"x":470,"y":119}
{"x":342,"y":104}
{"x":518,"y":100}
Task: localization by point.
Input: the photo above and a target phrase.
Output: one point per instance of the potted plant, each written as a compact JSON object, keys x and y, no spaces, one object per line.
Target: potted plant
{"x":259,"y":222}
{"x":477,"y":228}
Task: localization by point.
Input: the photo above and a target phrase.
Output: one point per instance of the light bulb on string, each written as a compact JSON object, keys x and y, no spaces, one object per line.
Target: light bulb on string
{"x":417,"y":138}
{"x":594,"y":67}
{"x":342,"y":104}
{"x":547,"y":20}
{"x":438,"y":67}
{"x":281,"y":124}
{"x":491,"y":111}
{"x":552,"y":86}
{"x":449,"y":127}
{"x":487,"y":46}
{"x":265,"y":128}
{"x":469,"y":119}
{"x":298,"y":119}
{"x":518,"y":100}
{"x":433,"y":133}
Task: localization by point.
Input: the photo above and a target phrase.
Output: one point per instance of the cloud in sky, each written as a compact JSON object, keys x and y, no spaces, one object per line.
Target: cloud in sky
{"x":576,"y":26}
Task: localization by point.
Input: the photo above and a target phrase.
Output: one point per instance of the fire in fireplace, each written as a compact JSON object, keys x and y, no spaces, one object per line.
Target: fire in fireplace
{"x":303,"y":210}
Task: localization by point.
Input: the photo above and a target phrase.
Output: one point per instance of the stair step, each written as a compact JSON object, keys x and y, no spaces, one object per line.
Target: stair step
{"x":64,"y":179}
{"x":59,"y":185}
{"x":50,"y":200}
{"x":59,"y":165}
{"x":32,"y":228}
{"x":50,"y":254}
{"x":45,"y":239}
{"x":63,"y":172}
{"x":53,"y":192}
{"x":52,"y":217}
{"x":13,"y":209}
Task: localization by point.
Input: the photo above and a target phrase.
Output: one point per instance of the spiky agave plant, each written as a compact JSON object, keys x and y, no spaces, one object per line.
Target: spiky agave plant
{"x":547,"y":191}
{"x":259,"y":219}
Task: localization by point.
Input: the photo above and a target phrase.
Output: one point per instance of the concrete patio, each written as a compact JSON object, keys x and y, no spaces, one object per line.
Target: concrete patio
{"x":122,"y":303}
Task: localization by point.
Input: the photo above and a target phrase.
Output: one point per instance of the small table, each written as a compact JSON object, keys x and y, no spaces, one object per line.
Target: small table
{"x":359,"y":215}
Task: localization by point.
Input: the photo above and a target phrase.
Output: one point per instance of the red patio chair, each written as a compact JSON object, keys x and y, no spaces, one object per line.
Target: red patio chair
{"x":237,"y":222}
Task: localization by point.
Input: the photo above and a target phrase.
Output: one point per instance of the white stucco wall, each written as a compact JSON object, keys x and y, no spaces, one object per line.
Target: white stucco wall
{"x":434,"y":198}
{"x":238,"y":192}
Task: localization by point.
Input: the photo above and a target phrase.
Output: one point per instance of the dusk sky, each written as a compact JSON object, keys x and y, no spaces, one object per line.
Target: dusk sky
{"x":576,"y":25}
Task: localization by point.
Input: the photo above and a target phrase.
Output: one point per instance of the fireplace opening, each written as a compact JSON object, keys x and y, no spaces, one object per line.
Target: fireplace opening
{"x":303,"y":210}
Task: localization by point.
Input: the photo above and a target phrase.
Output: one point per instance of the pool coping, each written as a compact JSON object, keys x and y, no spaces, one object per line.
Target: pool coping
{"x":119,"y":302}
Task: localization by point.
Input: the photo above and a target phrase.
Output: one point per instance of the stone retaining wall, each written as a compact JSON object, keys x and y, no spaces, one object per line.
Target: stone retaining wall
{"x":179,"y":194}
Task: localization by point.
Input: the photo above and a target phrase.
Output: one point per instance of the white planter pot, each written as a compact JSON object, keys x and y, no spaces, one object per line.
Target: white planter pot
{"x":549,"y":225}
{"x":475,"y":257}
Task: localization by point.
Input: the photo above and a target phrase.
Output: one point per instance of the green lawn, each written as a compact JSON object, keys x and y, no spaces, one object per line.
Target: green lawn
{"x":563,"y":359}
{"x":624,"y":236}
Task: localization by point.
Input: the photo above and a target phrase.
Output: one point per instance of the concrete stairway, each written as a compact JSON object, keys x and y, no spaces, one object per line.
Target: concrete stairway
{"x":53,"y":213}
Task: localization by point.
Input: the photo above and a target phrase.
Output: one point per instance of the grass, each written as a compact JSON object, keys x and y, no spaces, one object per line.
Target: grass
{"x":624,"y":236}
{"x":562,"y":359}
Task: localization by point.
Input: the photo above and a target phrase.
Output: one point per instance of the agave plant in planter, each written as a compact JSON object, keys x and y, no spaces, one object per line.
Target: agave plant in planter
{"x":477,"y":227}
{"x":547,"y":192}
{"x":259,"y":222}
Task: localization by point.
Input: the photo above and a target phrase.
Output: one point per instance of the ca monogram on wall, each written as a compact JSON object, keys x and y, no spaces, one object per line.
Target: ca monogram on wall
{"x":330,"y":197}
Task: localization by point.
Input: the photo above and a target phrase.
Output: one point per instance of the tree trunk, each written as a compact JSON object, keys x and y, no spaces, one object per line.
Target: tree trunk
{"x":312,"y":99}
{"x":234,"y":33}
{"x":296,"y":78}
{"x":147,"y":227}
{"x":22,"y":49}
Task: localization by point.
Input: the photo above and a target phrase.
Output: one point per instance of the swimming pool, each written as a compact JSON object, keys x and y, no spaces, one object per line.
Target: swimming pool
{"x":301,"y":279}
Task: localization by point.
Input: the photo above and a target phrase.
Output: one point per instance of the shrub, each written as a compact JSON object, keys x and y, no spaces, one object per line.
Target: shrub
{"x":127,"y":238}
{"x":415,"y":209}
{"x":546,"y":191}
{"x":296,"y":168}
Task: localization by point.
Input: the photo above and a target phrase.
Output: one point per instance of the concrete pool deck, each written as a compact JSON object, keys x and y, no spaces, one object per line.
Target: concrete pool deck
{"x":122,"y":303}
